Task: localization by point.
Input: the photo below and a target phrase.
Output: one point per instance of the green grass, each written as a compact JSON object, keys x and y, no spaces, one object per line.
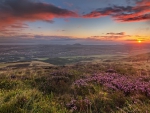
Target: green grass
{"x":51,"y":89}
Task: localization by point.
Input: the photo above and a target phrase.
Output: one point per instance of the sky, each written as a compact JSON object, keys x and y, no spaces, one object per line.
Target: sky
{"x":75,"y":21}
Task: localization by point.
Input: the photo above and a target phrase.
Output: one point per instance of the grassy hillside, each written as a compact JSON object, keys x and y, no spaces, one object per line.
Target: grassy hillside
{"x":105,"y":87}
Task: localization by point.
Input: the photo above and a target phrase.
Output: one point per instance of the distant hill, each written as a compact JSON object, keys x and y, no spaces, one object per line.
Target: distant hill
{"x":77,"y":44}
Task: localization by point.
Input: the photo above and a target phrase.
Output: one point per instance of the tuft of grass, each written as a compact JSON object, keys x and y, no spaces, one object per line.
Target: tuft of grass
{"x":26,"y":101}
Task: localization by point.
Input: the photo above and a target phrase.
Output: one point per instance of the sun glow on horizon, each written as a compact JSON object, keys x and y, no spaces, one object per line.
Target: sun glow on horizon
{"x":139,"y":41}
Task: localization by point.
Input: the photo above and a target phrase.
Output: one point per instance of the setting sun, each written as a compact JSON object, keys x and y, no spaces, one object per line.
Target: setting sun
{"x":139,"y":41}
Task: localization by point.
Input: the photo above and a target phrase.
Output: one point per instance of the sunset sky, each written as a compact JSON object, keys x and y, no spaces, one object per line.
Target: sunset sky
{"x":74,"y":21}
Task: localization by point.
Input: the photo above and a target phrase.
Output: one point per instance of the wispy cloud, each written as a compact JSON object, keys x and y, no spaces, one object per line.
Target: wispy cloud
{"x":19,"y":25}
{"x":13,"y":29}
{"x":110,"y":36}
{"x":111,"y":33}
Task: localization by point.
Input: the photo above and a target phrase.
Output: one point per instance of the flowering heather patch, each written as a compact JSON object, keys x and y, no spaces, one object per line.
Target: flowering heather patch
{"x":116,"y":81}
{"x":80,"y":82}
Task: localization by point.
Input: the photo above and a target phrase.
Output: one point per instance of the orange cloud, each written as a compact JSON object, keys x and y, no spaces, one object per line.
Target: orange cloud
{"x":12,"y":11}
{"x":139,"y":12}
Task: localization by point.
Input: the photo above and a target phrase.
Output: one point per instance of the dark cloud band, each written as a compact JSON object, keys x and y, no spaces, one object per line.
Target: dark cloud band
{"x":139,"y":12}
{"x":12,"y":11}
